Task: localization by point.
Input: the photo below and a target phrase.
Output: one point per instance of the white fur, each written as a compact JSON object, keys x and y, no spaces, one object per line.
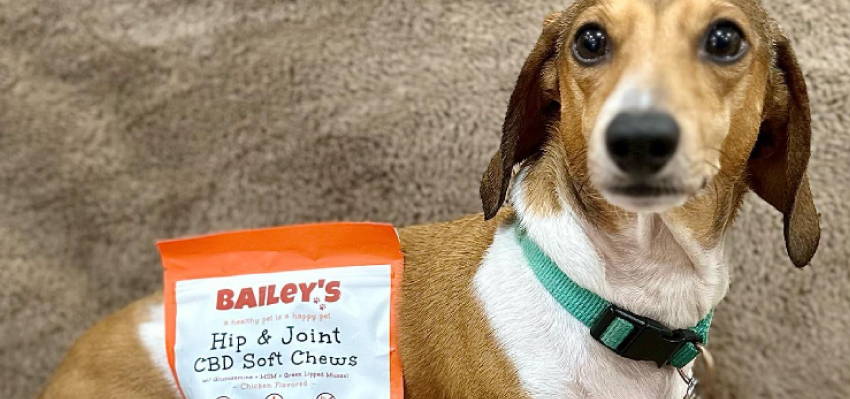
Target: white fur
{"x":631,"y":94}
{"x":635,"y":93}
{"x":152,"y":336}
{"x":553,"y":353}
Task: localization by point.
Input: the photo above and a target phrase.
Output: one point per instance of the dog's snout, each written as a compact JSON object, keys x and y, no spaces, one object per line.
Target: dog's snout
{"x":641,"y":143}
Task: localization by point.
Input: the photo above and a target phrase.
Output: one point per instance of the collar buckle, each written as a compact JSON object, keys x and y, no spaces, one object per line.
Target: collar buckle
{"x":640,"y":338}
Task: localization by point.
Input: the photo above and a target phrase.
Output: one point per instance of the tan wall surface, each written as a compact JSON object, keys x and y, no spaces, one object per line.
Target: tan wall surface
{"x":126,"y":121}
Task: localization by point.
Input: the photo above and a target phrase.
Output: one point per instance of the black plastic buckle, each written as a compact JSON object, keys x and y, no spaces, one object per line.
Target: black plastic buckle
{"x":649,"y":340}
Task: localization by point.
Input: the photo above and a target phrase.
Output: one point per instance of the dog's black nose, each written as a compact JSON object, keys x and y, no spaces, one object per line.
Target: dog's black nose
{"x":641,"y":143}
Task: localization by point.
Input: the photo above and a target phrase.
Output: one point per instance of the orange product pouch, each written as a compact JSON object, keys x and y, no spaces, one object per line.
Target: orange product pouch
{"x":306,"y":311}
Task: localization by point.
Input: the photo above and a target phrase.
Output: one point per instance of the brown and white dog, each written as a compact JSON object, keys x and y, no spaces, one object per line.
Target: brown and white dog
{"x":638,"y":126}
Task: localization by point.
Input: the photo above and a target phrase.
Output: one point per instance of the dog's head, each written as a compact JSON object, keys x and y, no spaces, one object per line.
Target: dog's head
{"x":653,"y":103}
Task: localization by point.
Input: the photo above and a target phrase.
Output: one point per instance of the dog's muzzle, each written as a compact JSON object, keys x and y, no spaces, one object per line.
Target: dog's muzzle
{"x":642,"y":143}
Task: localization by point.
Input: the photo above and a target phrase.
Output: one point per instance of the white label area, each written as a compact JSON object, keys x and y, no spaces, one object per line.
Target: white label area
{"x":306,"y":334}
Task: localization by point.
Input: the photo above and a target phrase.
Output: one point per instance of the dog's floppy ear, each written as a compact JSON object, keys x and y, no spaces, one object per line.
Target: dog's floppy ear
{"x":532,"y":107}
{"x":777,"y":166}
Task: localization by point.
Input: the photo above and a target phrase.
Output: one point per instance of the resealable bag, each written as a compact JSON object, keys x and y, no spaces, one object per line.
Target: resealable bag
{"x":306,"y":311}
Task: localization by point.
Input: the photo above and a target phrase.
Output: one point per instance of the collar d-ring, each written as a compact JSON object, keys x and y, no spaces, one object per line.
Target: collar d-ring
{"x":690,"y":381}
{"x":705,"y":383}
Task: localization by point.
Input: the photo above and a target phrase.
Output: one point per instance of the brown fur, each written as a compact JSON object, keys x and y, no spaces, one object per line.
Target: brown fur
{"x":446,"y":348}
{"x":556,"y":102}
{"x":109,"y":361}
{"x":778,"y":165}
{"x":446,"y":342}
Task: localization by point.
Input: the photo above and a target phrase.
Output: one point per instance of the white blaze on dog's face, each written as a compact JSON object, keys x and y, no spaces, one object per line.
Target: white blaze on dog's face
{"x":657,"y":86}
{"x":674,"y":106}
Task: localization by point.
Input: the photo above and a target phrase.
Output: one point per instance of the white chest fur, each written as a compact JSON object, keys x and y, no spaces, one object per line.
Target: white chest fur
{"x":553,"y":353}
{"x":653,"y":268}
{"x":152,"y":336}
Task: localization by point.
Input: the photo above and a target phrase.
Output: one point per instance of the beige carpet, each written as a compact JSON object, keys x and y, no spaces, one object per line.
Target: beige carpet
{"x":126,"y":121}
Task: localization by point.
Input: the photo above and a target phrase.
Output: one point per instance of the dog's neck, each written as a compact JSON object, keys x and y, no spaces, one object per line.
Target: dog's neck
{"x":650,"y":264}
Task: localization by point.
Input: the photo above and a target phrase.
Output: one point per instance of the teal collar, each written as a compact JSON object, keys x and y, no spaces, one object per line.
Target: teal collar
{"x":629,"y":335}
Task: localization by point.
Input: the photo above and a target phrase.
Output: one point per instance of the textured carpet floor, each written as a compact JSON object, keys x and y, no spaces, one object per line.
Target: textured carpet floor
{"x":126,"y":121}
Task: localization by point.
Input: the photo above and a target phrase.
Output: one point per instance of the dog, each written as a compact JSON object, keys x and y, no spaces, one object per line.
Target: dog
{"x":634,"y":131}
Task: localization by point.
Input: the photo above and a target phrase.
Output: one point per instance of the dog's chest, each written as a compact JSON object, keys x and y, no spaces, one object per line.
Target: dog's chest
{"x":553,"y":353}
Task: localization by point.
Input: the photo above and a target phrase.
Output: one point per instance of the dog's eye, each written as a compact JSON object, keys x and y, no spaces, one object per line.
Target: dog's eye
{"x":590,"y":45}
{"x":724,"y":42}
